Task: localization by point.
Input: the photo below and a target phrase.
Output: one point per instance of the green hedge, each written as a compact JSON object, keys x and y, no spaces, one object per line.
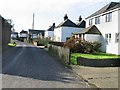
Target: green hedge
{"x":43,"y":42}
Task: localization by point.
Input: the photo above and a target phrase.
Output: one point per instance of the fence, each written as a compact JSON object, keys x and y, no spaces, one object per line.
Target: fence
{"x":60,"y":52}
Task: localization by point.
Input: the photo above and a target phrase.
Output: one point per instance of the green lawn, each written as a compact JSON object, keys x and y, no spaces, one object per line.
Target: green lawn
{"x":98,"y":55}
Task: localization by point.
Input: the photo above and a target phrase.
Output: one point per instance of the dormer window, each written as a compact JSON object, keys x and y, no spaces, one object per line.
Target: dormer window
{"x":90,"y":22}
{"x":97,"y":20}
{"x":109,"y":17}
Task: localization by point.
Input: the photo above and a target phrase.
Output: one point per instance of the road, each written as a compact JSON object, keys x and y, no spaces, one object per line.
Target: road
{"x":26,"y":66}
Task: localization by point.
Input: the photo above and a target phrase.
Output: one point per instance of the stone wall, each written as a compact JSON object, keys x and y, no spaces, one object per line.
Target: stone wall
{"x":60,"y":52}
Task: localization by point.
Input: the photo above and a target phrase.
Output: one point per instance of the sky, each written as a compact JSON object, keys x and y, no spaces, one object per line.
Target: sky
{"x":47,"y":12}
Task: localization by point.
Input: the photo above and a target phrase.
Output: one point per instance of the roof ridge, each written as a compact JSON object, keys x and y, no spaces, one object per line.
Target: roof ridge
{"x":67,"y":22}
{"x":112,"y":4}
{"x":107,"y":7}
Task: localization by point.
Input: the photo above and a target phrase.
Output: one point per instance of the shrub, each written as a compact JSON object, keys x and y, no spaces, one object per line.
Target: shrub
{"x":43,"y":42}
{"x":57,"y":43}
{"x":77,"y":45}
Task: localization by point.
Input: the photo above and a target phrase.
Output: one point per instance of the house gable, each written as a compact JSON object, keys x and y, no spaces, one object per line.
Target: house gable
{"x":90,"y":30}
{"x":67,"y":23}
{"x":51,"y":28}
{"x":25,"y":32}
{"x":81,"y":24}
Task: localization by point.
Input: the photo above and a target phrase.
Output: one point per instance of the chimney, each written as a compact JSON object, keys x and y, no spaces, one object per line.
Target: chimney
{"x":65,"y":17}
{"x":80,"y":18}
{"x":53,"y":25}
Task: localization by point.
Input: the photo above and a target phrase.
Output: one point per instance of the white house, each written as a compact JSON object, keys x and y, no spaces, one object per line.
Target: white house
{"x":107,"y":20}
{"x":65,"y":29}
{"x":49,"y":33}
{"x":36,"y":34}
{"x":23,"y":34}
{"x":14,"y":35}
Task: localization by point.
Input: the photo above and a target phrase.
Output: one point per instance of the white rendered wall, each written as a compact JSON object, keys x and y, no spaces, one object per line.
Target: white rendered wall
{"x":57,"y":34}
{"x":68,"y":31}
{"x":46,"y":34}
{"x":96,"y":38}
{"x":34,"y":36}
{"x":92,"y":37}
{"x":60,"y":34}
{"x":106,"y":28}
{"x":23,"y":35}
{"x":13,"y":35}
{"x":49,"y":34}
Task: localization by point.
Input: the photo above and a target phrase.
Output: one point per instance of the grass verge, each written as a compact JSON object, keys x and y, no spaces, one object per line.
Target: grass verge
{"x":97,"y":56}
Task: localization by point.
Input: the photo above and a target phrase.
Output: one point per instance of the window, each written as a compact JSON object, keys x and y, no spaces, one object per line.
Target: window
{"x":117,"y":37}
{"x":97,"y":20}
{"x":108,"y":37}
{"x":109,"y":17}
{"x":90,"y":21}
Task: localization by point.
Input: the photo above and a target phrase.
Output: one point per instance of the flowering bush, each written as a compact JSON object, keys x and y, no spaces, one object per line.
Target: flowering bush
{"x":77,"y":45}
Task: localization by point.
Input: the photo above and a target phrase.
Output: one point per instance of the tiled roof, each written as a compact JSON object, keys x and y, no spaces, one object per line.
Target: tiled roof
{"x":67,"y":23}
{"x":23,"y":31}
{"x":81,"y":24}
{"x":51,"y":28}
{"x":108,"y":7}
{"x":35,"y":31}
{"x":90,"y":30}
{"x":14,"y":32}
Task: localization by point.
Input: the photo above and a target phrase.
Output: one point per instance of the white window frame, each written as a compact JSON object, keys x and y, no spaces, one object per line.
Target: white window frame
{"x":117,"y":37}
{"x":90,"y":22}
{"x":97,"y":20}
{"x":108,"y":37}
{"x":108,"y":17}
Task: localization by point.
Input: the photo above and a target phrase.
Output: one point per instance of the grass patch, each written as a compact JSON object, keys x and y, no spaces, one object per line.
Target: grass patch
{"x":11,"y":44}
{"x":97,"y":56}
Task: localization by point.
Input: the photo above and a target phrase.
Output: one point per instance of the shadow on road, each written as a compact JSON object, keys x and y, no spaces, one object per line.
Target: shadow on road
{"x":31,"y":62}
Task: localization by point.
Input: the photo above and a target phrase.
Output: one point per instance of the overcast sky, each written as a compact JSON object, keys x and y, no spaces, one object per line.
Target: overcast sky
{"x":47,"y":11}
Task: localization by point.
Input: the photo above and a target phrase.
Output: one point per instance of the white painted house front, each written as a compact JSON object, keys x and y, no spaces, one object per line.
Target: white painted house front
{"x":36,"y":34}
{"x":14,"y":35}
{"x":64,"y":30}
{"x":49,"y":33}
{"x":107,"y":22}
{"x":23,"y":34}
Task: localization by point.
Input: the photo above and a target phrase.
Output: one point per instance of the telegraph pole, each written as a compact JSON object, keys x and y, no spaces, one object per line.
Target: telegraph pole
{"x":33,"y":21}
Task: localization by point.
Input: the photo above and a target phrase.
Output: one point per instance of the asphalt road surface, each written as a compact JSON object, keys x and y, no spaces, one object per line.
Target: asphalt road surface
{"x":26,"y":66}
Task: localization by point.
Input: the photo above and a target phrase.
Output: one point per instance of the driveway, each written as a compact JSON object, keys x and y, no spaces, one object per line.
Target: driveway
{"x":26,"y":66}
